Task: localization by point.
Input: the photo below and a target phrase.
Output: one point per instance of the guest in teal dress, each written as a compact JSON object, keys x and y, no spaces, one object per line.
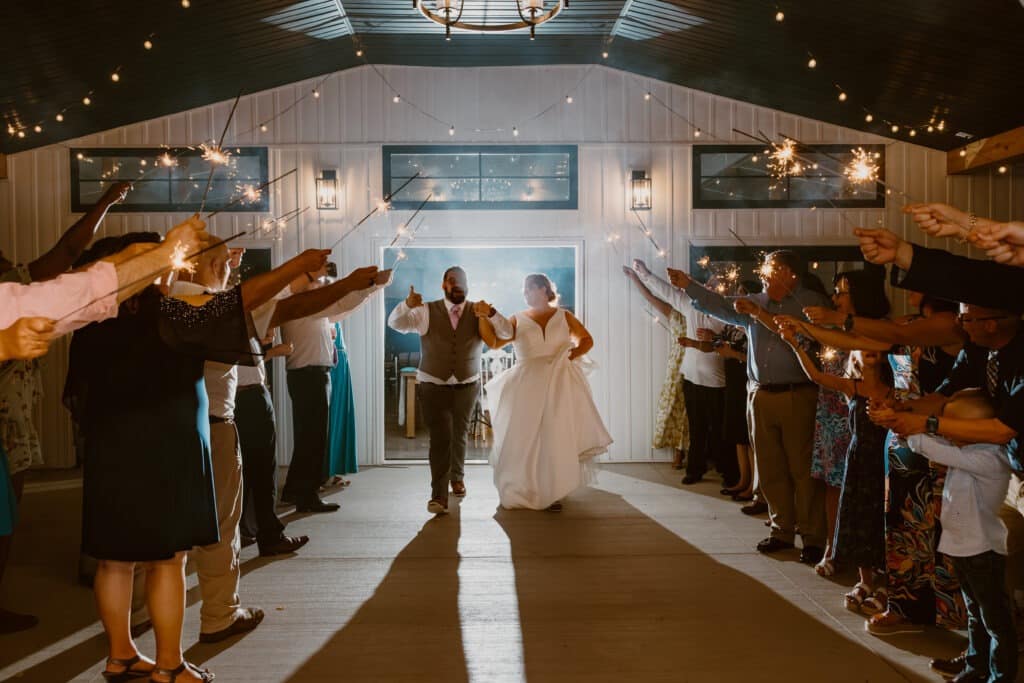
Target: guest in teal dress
{"x":341,"y":446}
{"x":8,"y":504}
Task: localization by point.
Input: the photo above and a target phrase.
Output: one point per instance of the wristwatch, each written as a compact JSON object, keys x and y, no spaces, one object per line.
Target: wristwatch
{"x":931,"y":425}
{"x":848,"y":323}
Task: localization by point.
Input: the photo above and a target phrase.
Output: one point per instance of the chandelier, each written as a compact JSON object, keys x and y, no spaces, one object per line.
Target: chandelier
{"x":531,"y":13}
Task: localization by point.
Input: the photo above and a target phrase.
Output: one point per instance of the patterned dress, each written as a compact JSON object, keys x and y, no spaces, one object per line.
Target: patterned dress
{"x":922,"y":582}
{"x":21,"y":388}
{"x":832,"y":427}
{"x":671,"y":429}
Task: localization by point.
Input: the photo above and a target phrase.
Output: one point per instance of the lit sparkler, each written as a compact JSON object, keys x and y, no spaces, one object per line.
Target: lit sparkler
{"x":862,"y":168}
{"x":827,"y":354}
{"x":250,"y":193}
{"x":213,"y":153}
{"x":180,"y":262}
{"x":166,"y":160}
{"x":704,"y":261}
{"x":782,"y":160}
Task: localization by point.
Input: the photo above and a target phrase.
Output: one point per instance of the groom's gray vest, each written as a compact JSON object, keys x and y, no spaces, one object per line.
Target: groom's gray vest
{"x":446,"y":352}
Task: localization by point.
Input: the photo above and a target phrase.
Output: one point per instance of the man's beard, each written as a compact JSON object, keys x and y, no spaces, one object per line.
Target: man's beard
{"x":456,"y":296}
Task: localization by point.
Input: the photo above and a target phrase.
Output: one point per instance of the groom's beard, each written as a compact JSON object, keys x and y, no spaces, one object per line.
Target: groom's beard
{"x":456,"y":296}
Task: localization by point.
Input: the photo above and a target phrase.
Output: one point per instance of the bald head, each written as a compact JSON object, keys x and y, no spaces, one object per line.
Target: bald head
{"x":988,"y":327}
{"x":213,"y":267}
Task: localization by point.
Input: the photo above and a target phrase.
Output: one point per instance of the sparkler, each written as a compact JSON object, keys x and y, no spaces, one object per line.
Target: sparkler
{"x":782,"y":159}
{"x":241,"y":198}
{"x":655,"y":318}
{"x":381,"y":206}
{"x":862,"y":168}
{"x":827,"y":354}
{"x":650,"y":236}
{"x":179,"y":261}
{"x":250,"y":192}
{"x":216,"y":154}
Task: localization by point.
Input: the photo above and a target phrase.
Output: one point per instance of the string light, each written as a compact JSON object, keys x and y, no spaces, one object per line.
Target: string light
{"x":21,"y":133}
{"x":869,"y":118}
{"x":963,"y":152}
{"x":568,"y":99}
{"x":931,"y":128}
{"x":451,"y":130}
{"x":11,"y":130}
{"x":780,"y":16}
{"x":87,"y":100}
{"x":186,"y":4}
{"x":359,"y":53}
{"x":515,"y":131}
{"x":913,"y":132}
{"x":842,"y":96}
{"x":895,"y":128}
{"x":148,"y":44}
{"x":263,"y":128}
{"x":647,"y":96}
{"x":1002,"y":169}
{"x":316,"y":94}
{"x":942,"y":125}
{"x":80,"y":156}
{"x":696,"y":132}
{"x":811,"y":63}
{"x":604,"y":55}
{"x":59,"y":118}
{"x":115,"y":77}
{"x":396,"y":98}
{"x":38,"y":128}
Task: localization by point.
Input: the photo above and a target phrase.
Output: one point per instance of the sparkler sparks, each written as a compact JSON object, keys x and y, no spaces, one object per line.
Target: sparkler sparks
{"x":250,"y":193}
{"x":782,"y":160}
{"x":827,"y":353}
{"x":704,"y":262}
{"x":179,"y":260}
{"x":214,"y":154}
{"x":862,"y":168}
{"x":166,"y":160}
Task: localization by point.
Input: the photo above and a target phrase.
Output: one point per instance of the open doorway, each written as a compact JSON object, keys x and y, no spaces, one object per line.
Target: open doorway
{"x":495,"y":274}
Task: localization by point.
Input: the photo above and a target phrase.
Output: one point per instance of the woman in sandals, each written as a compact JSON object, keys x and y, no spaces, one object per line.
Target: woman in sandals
{"x":860,"y":524}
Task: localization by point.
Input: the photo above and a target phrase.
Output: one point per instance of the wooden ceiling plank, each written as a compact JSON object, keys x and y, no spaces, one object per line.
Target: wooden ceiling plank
{"x":1003,"y":148}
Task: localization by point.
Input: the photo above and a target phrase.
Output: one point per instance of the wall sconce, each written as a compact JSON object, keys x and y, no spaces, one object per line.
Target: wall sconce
{"x":641,"y":191}
{"x":327,"y":189}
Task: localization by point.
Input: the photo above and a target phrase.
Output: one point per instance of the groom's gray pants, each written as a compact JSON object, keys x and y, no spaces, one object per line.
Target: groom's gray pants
{"x":447,"y":409}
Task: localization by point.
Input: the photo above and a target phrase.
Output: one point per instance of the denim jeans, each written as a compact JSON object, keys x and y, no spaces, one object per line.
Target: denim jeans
{"x":993,"y":644}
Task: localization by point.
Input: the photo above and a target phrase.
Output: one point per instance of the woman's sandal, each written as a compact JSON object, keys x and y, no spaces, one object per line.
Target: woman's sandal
{"x":825,"y":568}
{"x":127,"y":673}
{"x":854,"y":600}
{"x":172,"y":674}
{"x":877,"y":603}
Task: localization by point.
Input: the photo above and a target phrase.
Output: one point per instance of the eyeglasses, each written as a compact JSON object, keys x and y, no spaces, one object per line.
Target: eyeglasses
{"x":962,"y":319}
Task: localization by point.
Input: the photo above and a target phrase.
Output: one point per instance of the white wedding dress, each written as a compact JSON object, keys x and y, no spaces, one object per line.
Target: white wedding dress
{"x":546,"y":426}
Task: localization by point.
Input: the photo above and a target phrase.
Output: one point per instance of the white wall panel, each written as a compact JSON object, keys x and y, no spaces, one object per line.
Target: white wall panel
{"x":616,"y":131}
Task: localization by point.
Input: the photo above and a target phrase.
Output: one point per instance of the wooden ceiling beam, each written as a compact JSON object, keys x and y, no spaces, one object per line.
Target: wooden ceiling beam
{"x":1002,"y":148}
{"x":3,"y":167}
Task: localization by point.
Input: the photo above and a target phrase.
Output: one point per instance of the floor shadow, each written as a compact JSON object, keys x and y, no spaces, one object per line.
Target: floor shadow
{"x":409,"y":629}
{"x":606,"y":593}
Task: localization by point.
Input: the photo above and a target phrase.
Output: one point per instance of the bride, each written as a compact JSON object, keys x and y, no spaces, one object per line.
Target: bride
{"x":546,"y":426}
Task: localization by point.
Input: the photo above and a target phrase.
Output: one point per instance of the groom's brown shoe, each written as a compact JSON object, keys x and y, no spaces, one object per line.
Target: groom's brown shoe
{"x":436,"y":506}
{"x":459,"y":488}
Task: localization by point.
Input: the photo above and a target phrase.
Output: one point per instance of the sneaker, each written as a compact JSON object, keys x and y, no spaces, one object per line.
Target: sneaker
{"x":950,"y":667}
{"x":436,"y":506}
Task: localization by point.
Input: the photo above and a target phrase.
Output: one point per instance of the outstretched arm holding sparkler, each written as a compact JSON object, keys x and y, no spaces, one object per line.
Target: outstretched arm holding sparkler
{"x":660,"y":305}
{"x":938,"y":329}
{"x":26,"y":339}
{"x":843,"y":385}
{"x":829,"y":337}
{"x":75,"y":240}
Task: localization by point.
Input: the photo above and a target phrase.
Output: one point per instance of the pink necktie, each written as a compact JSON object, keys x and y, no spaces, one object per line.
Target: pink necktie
{"x":454,"y":315}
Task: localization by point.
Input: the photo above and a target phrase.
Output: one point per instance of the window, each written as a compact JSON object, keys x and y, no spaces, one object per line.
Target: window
{"x":483,"y":177}
{"x":736,"y":176}
{"x":157,"y":187}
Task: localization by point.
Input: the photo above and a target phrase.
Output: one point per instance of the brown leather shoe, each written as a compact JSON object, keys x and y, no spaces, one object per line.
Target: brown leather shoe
{"x":459,"y":488}
{"x":249,"y":619}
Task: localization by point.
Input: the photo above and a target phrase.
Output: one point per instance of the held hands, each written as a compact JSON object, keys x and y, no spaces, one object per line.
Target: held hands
{"x":640,"y":267}
{"x":414,"y":300}
{"x":191,"y":235}
{"x":26,"y":339}
{"x":678,"y":278}
{"x":879,"y":246}
{"x":746,"y":307}
{"x":819,"y":315}
{"x":313,"y":260}
{"x":482,"y":309}
{"x":362,"y":278}
{"x":939,"y":220}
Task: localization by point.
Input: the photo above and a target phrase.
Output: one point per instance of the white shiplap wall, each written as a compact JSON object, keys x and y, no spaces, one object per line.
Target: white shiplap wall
{"x":616,"y":130}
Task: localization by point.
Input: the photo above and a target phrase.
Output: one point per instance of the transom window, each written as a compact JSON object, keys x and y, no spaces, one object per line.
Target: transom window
{"x":158,"y":187}
{"x":482,"y":177}
{"x":736,"y":176}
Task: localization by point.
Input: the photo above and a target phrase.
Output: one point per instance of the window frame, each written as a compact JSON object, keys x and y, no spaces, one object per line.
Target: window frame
{"x":77,"y":206}
{"x":878,"y":202}
{"x":570,"y":204}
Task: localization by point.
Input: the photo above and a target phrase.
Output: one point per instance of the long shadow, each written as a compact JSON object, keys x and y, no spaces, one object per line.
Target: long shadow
{"x":606,"y":593}
{"x":409,"y":629}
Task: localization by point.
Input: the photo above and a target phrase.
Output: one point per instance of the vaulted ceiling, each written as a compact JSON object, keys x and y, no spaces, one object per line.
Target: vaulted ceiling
{"x":913,"y":63}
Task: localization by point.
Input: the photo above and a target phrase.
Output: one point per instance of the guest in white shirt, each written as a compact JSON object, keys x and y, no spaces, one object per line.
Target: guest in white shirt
{"x":309,"y":379}
{"x":974,"y":536}
{"x":703,"y":384}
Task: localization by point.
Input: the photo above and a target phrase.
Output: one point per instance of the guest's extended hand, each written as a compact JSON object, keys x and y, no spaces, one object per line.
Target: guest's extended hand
{"x":788,"y":322}
{"x":281,"y":350}
{"x":881,"y":246}
{"x":640,"y":267}
{"x":789,"y":335}
{"x":362,"y":278}
{"x":902,"y":423}
{"x":705,"y":335}
{"x":678,"y":278}
{"x":1002,"y":242}
{"x":116,"y":194}
{"x":630,"y":273}
{"x":746,"y":307}
{"x":383,"y":278}
{"x":191,"y":235}
{"x":820,"y":315}
{"x":27,"y":338}
{"x":939,"y":220}
{"x":313,"y":260}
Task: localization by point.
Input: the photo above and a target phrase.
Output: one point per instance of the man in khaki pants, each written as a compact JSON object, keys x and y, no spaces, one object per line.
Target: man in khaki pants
{"x":783,"y":400}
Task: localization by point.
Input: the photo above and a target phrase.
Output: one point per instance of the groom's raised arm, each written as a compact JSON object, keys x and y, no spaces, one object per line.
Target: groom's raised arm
{"x":410,"y":315}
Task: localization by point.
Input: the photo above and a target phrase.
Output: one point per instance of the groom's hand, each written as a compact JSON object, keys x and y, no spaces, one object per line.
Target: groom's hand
{"x":483,"y":309}
{"x":414,"y":300}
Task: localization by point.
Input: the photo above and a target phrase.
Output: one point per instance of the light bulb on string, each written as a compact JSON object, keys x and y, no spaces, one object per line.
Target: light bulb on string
{"x":359,"y":53}
{"x":59,"y":118}
{"x":811,"y":63}
{"x":895,"y":128}
{"x":115,"y":77}
{"x":568,"y":99}
{"x":647,"y":96}
{"x":396,"y":98}
{"x":80,"y":156}
{"x":696,"y":133}
{"x":963,"y":152}
{"x":21,"y":133}
{"x":148,"y":44}
{"x":316,"y":94}
{"x":931,"y":128}
{"x":913,"y":132}
{"x":780,"y":16}
{"x":186,"y":3}
{"x":38,"y":128}
{"x":87,"y":100}
{"x":1002,"y":170}
{"x":869,"y":118}
{"x":515,"y":131}
{"x":604,"y":55}
{"x":451,"y":130}
{"x":842,"y":96}
{"x":942,"y":125}
{"x":263,"y":128}
{"x":11,"y":130}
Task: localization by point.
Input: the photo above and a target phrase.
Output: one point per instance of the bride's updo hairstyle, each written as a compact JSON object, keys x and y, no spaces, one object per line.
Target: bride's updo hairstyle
{"x":542,"y":281}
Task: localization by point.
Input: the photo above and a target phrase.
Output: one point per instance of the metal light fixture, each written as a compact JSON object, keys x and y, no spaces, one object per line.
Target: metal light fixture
{"x":641,"y":191}
{"x":448,"y":13}
{"x":327,"y":189}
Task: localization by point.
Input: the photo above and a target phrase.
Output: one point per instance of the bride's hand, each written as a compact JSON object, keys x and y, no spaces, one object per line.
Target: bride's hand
{"x":574,"y":353}
{"x":482,"y":309}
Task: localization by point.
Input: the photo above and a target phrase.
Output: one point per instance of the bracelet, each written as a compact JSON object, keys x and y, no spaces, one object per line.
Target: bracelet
{"x":972,"y":222}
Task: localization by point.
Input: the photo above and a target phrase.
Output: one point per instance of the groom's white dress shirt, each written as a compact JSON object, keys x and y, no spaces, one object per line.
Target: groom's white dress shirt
{"x":407,"y":320}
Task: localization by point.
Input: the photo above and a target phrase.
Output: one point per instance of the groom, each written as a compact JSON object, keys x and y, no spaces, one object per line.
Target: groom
{"x":448,"y":375}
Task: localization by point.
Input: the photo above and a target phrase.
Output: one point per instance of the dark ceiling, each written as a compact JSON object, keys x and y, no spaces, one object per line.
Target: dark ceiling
{"x":909,"y":62}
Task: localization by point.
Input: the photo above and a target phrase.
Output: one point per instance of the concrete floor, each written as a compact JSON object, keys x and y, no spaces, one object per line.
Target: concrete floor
{"x":637,"y":580}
